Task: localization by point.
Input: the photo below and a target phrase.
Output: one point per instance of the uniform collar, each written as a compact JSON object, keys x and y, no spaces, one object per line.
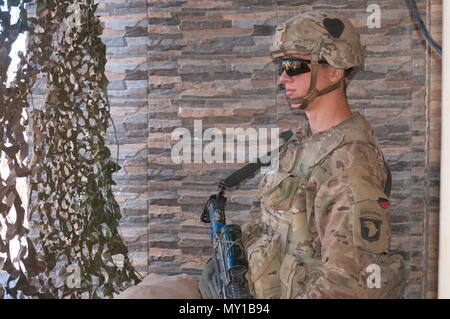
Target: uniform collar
{"x":317,"y":146}
{"x":356,"y":118}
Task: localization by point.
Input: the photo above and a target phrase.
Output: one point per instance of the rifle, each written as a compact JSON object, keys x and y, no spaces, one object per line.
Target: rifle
{"x":229,"y":256}
{"x":230,"y":259}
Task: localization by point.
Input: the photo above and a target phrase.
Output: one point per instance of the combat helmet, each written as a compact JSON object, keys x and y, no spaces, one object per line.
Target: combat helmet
{"x":324,"y":36}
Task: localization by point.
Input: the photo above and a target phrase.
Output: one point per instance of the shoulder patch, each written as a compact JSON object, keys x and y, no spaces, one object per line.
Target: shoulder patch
{"x":371,"y":226}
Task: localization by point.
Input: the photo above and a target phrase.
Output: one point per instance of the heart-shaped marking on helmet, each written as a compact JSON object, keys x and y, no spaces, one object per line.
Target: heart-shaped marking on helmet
{"x":334,"y":26}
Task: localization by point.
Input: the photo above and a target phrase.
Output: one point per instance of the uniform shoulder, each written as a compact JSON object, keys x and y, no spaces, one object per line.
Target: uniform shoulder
{"x":345,"y":158}
{"x":349,"y":143}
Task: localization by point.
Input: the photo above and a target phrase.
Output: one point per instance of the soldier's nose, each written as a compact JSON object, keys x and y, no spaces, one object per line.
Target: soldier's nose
{"x":284,"y":77}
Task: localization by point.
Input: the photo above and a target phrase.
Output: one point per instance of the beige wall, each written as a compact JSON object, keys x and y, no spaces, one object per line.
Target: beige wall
{"x":434,"y":22}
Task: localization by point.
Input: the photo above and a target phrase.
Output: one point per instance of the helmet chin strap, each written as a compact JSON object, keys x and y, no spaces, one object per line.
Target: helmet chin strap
{"x":313,"y":92}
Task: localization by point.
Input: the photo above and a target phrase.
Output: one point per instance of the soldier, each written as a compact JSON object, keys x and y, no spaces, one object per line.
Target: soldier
{"x":324,"y":226}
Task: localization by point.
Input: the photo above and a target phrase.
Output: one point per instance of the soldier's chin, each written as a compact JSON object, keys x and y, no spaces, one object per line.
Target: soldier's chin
{"x":294,"y":103}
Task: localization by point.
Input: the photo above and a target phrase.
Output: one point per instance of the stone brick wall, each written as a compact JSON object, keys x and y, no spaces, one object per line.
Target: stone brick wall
{"x":171,"y":62}
{"x":126,"y":37}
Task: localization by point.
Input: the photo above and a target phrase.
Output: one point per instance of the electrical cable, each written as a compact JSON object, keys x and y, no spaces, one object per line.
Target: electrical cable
{"x":424,"y":30}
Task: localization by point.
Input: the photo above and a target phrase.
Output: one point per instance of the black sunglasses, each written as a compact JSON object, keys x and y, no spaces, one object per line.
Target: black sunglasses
{"x":295,"y":66}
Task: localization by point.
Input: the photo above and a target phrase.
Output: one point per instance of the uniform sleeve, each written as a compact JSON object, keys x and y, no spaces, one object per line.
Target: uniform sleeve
{"x":351,"y":214}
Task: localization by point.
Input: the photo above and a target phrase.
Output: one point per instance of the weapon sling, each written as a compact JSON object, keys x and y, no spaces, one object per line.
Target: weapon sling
{"x":243,"y":173}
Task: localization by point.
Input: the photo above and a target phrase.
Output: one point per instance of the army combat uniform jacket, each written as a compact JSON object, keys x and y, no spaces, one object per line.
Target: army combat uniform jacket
{"x":324,"y":228}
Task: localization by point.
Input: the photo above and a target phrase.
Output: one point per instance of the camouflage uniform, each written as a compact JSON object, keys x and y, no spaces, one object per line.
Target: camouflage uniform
{"x":324,"y":224}
{"x":324,"y":219}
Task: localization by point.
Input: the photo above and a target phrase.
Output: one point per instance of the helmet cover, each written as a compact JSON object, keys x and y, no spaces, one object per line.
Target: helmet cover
{"x":324,"y":35}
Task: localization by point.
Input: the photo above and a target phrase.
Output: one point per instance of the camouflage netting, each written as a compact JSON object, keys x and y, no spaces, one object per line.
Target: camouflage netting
{"x":70,"y":173}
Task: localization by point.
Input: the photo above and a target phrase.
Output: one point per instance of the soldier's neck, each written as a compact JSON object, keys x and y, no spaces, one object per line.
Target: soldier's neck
{"x":327,"y":111}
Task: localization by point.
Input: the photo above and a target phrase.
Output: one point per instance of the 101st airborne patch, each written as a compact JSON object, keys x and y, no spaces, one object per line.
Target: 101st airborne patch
{"x":371,"y":226}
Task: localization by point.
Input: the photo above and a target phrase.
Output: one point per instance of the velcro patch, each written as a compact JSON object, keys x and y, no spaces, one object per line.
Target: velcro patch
{"x":277,"y":41}
{"x":334,"y":26}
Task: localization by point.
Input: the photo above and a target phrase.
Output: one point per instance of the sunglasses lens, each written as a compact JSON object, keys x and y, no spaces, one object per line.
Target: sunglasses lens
{"x":293,"y":66}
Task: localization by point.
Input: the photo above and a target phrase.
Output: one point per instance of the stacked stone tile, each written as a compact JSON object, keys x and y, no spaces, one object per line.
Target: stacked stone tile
{"x":173,"y":62}
{"x":126,"y":37}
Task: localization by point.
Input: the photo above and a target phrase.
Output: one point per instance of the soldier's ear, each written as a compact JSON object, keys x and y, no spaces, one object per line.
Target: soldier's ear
{"x":336,"y":74}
